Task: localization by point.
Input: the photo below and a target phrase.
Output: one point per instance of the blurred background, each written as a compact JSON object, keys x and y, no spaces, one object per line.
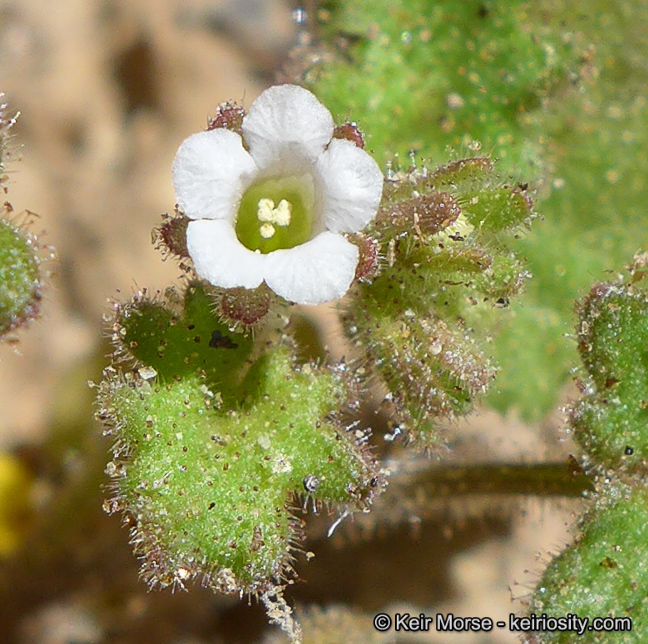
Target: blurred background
{"x":107,"y":90}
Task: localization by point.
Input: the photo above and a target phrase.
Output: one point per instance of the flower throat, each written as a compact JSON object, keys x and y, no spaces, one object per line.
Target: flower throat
{"x":275,"y":214}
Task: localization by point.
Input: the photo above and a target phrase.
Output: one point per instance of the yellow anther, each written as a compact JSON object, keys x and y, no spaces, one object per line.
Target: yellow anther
{"x":280,"y":216}
{"x":267,"y":230}
{"x":283,"y":213}
{"x":265,"y":210}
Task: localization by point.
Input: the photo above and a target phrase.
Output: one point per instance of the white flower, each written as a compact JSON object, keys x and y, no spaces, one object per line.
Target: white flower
{"x":272,"y":208}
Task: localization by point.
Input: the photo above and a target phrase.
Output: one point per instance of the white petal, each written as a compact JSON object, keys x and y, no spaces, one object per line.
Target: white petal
{"x":220,"y":258}
{"x":320,"y":270}
{"x":286,"y":126}
{"x":210,"y":171}
{"x":351,"y":184}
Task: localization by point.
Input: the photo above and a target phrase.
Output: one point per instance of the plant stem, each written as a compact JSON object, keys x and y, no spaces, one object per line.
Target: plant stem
{"x":533,"y":479}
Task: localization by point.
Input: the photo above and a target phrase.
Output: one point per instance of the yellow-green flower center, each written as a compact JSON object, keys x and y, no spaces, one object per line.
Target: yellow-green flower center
{"x":276,"y":213}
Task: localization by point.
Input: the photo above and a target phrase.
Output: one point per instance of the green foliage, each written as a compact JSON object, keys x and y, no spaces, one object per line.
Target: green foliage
{"x":447,"y":72}
{"x":604,"y":574}
{"x":428,"y":75}
{"x":20,"y":279}
{"x":446,"y":269}
{"x":530,"y":330}
{"x":20,"y":274}
{"x":496,"y":209}
{"x":594,"y":205}
{"x":611,"y":421}
{"x":207,"y":486}
{"x":556,"y":91}
{"x":182,"y":340}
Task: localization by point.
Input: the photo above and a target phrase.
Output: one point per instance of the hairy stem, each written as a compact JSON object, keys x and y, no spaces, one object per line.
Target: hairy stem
{"x":532,"y":479}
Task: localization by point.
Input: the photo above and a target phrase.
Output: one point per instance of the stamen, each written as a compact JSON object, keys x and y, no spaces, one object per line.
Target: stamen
{"x":267,"y":230}
{"x":280,"y":216}
{"x":265,"y":210}
{"x":283,"y":213}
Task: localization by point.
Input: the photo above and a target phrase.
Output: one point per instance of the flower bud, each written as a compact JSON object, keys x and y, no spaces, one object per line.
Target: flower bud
{"x":369,"y":260}
{"x":247,"y":307}
{"x":228,"y":115}
{"x":171,"y":236}
{"x":350,"y":132}
{"x":20,"y":275}
{"x":425,"y":214}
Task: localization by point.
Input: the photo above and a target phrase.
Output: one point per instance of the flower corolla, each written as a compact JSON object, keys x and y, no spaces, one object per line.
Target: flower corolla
{"x":273,"y":204}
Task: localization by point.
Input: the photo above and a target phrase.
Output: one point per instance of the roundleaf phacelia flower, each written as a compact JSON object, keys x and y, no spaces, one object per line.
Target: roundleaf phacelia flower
{"x":273,"y":204}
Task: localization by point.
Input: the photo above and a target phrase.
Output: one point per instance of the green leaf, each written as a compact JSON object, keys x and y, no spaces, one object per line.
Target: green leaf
{"x":611,"y":422}
{"x":209,"y":491}
{"x":20,"y":279}
{"x":604,"y":574}
{"x":179,"y":342}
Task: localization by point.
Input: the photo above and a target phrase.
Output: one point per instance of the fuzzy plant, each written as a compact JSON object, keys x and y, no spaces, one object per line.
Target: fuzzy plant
{"x":225,"y":433}
{"x":23,"y":262}
{"x":553,"y":90}
{"x":221,"y":431}
{"x":21,"y":275}
{"x":603,"y":574}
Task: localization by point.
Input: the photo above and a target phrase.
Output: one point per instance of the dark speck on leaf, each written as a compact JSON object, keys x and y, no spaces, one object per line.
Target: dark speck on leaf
{"x":220,"y":341}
